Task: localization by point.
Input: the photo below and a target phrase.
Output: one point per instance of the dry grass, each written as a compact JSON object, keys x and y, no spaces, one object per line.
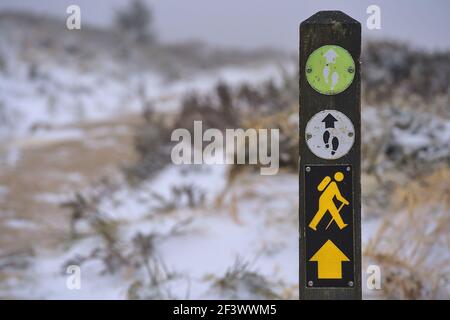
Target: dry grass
{"x":44,"y":168}
{"x":287,"y":122}
{"x":240,"y":281}
{"x":412,"y":245}
{"x":427,"y":191}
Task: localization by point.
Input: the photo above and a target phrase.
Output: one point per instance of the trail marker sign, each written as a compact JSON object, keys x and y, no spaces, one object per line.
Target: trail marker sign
{"x":330,"y":69}
{"x":330,"y":157}
{"x":330,"y":134}
{"x":329,"y":226}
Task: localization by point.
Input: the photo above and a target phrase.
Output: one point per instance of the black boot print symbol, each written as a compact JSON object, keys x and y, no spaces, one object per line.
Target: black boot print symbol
{"x":334,"y":142}
{"x":326,"y":138}
{"x":334,"y":145}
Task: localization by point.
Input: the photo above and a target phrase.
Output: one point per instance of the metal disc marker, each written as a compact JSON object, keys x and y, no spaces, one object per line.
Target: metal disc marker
{"x":330,"y":134}
{"x":330,"y":69}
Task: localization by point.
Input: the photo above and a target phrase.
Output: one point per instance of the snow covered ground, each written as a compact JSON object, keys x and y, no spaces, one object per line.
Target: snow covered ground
{"x":251,"y":234}
{"x":257,"y":223}
{"x":64,"y":96}
{"x":45,"y":101}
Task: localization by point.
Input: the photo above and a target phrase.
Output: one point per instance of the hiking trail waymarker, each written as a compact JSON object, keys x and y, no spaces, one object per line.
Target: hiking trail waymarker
{"x":329,"y":134}
{"x":330,"y":157}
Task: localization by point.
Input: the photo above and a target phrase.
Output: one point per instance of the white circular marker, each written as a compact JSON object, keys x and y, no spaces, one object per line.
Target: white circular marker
{"x":330,"y":134}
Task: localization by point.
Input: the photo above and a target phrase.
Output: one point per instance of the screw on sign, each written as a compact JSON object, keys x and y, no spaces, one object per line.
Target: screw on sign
{"x":329,"y":225}
{"x":330,"y":164}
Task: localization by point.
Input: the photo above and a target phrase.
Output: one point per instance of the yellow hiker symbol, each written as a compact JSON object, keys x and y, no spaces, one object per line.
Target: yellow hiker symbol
{"x":329,"y":261}
{"x":330,"y":191}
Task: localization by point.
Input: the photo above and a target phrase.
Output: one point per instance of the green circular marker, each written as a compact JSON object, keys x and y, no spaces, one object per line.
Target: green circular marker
{"x":330,"y":69}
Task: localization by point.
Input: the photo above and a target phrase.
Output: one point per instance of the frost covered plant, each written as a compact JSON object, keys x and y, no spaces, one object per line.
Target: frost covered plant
{"x":269,"y":105}
{"x":397,"y":74}
{"x":158,"y":275}
{"x":110,"y":252}
{"x":400,"y":145}
{"x":152,"y":145}
{"x":412,"y":246}
{"x":241,"y":282}
{"x":15,"y":261}
{"x":403,"y":139}
{"x":79,"y":208}
{"x":136,"y":256}
{"x":159,"y":280}
{"x":144,"y":248}
{"x":182,"y":196}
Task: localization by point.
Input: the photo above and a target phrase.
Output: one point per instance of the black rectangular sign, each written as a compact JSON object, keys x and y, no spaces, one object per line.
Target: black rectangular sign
{"x":329,"y":222}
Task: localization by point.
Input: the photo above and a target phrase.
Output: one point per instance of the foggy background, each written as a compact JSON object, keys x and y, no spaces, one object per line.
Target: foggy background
{"x":254,"y":23}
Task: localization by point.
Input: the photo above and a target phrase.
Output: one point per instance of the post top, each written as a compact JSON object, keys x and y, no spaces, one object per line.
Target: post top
{"x":330,"y":17}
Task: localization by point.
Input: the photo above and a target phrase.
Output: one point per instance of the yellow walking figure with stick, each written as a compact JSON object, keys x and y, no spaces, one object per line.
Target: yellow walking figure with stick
{"x":330,"y":191}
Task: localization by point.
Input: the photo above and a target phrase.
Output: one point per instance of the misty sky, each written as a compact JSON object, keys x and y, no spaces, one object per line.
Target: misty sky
{"x":255,"y":23}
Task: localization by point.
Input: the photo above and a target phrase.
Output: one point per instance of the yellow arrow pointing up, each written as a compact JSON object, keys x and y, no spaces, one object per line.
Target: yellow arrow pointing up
{"x":329,"y":260}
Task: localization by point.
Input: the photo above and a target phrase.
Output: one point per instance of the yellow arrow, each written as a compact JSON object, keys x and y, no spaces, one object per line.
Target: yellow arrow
{"x":329,"y":260}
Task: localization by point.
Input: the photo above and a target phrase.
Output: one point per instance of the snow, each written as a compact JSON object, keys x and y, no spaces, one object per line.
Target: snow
{"x":57,"y":135}
{"x":64,"y":95}
{"x":51,"y":198}
{"x":208,"y":245}
{"x":45,"y":98}
{"x":46,"y":279}
{"x":19,"y":224}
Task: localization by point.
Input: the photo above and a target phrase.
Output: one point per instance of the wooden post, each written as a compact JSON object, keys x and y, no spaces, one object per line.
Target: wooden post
{"x":330,"y":157}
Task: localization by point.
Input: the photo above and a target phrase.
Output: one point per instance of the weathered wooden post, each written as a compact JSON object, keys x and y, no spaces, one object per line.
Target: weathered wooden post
{"x":330,"y":157}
